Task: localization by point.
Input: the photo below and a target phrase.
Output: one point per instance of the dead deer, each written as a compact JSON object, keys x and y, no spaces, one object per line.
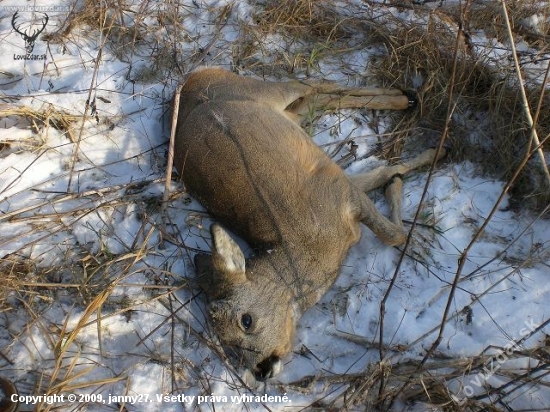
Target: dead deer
{"x":241,"y":151}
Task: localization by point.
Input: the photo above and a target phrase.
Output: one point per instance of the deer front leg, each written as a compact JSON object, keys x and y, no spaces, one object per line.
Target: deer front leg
{"x":380,"y":176}
{"x":394,"y":197}
{"x":388,"y":232}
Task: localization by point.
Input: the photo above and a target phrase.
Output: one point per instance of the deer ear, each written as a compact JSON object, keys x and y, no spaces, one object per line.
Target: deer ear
{"x":227,"y":256}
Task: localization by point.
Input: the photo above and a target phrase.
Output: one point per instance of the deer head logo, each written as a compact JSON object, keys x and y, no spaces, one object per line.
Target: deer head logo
{"x":29,"y":38}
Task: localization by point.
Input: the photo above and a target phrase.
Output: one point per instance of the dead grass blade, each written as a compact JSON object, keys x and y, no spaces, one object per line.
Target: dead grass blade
{"x":49,"y":115}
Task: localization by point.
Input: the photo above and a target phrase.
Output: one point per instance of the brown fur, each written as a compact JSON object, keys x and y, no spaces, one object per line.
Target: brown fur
{"x":241,"y":152}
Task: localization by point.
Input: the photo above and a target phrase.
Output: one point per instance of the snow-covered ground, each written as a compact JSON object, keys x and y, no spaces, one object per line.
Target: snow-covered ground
{"x":108,"y":306}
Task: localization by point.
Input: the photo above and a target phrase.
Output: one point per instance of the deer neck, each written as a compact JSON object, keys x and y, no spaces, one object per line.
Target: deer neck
{"x":305,"y":275}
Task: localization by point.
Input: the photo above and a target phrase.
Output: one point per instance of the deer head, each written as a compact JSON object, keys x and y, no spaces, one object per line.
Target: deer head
{"x":29,"y":38}
{"x":250,"y":314}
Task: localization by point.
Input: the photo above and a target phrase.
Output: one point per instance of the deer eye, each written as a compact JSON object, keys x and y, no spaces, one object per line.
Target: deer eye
{"x":246,"y":321}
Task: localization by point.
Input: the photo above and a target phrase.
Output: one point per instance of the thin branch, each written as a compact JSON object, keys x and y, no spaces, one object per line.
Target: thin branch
{"x":526,"y":109}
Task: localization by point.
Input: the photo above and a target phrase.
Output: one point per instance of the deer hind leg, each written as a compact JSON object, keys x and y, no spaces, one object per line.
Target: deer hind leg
{"x":329,"y":96}
{"x":389,"y":231}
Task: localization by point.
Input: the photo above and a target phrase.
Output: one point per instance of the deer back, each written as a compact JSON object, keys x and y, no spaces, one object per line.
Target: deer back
{"x":254,"y":169}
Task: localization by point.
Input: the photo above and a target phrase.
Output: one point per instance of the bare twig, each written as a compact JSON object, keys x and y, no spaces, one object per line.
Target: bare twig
{"x":526,"y":109}
{"x":170,"y":162}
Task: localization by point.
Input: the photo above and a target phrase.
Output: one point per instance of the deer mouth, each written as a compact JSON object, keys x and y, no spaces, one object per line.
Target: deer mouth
{"x":268,"y":368}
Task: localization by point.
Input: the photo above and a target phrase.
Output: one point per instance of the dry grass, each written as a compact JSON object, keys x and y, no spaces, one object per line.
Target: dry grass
{"x":304,"y":19}
{"x":492,"y":131}
{"x":25,"y":117}
{"x":97,"y":282}
{"x":11,"y":270}
{"x":426,"y":384}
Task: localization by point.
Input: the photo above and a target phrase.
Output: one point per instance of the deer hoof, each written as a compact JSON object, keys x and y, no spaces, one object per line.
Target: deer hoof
{"x":413,"y":98}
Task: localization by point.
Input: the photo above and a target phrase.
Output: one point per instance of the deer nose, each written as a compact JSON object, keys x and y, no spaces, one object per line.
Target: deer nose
{"x":268,"y":368}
